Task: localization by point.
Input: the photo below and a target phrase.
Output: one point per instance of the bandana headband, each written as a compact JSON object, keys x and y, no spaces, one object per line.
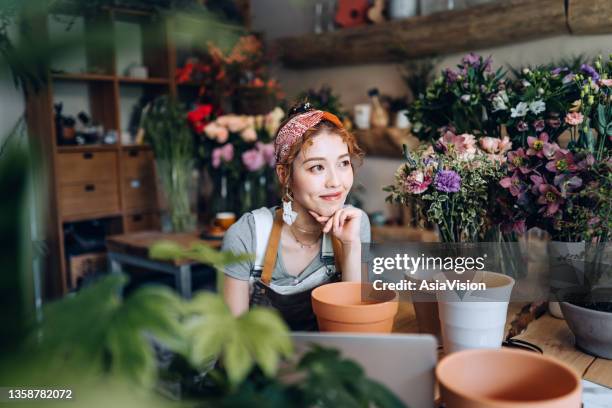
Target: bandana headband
{"x":294,"y":130}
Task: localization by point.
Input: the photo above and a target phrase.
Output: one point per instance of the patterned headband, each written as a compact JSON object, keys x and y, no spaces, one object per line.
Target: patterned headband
{"x":294,"y":130}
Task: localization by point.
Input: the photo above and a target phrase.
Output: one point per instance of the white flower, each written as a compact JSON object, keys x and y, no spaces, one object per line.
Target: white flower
{"x":526,"y":71}
{"x":537,"y":106}
{"x":499,"y":101}
{"x":521,"y":110}
{"x":526,"y":84}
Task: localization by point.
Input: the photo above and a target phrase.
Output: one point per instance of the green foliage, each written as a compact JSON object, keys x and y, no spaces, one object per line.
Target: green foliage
{"x":258,"y":337}
{"x":98,"y":327}
{"x":166,"y":129}
{"x":321,"y":378}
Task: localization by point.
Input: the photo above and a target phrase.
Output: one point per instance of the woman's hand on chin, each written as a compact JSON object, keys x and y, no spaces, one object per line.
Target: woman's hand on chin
{"x":344,"y":224}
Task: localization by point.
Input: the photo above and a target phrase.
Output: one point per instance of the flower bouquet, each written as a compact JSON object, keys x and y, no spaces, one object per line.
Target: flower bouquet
{"x":450,"y":183}
{"x":238,"y":154}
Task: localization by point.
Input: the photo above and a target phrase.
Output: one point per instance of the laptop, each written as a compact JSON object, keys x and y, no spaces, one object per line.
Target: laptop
{"x":404,"y":363}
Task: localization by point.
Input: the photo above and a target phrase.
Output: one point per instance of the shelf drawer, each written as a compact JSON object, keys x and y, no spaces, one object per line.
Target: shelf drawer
{"x":139,"y":194}
{"x":138,"y":164}
{"x":141,"y":222}
{"x":89,"y":198}
{"x":86,"y":167}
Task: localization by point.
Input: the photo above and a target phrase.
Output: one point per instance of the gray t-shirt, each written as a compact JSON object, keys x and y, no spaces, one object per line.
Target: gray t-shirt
{"x":240,"y":238}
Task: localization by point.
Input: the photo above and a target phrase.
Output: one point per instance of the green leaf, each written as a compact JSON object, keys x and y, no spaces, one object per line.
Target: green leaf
{"x":236,"y":359}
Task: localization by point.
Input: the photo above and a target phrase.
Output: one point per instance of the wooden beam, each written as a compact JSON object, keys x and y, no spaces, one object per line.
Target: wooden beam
{"x":589,"y":16}
{"x":486,"y":25}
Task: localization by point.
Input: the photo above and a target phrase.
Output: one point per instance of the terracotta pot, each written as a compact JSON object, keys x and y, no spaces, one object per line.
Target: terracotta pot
{"x":354,"y":307}
{"x":503,"y":378}
{"x":426,"y":304}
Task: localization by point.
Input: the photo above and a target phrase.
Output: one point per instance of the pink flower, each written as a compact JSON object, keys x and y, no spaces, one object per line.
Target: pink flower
{"x":267,"y":150}
{"x":513,"y":184}
{"x":504,"y":145}
{"x":551,"y":197}
{"x":417,"y":182}
{"x":537,"y":181}
{"x":225,"y":153}
{"x":517,"y":159}
{"x":539,"y":125}
{"x":253,"y":160}
{"x":561,"y":162}
{"x":574,"y":118}
{"x":606,"y":82}
{"x":549,"y":150}
{"x":489,"y":144}
{"x":536,"y":145}
{"x":463,"y":146}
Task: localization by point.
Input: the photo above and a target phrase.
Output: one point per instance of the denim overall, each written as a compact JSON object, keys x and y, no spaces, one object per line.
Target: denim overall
{"x":292,"y":301}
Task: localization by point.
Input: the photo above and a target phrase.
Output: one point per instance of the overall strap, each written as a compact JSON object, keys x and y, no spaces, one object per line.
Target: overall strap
{"x":337,"y":246}
{"x":272,"y":249}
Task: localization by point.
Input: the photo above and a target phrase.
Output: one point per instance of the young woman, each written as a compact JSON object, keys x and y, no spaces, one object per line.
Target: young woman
{"x":314,"y":238}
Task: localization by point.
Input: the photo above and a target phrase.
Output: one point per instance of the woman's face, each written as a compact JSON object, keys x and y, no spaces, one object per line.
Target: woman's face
{"x":322,"y":174}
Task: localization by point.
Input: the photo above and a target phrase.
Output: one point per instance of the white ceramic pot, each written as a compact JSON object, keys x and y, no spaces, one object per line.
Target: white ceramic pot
{"x":362,"y":113}
{"x":475,"y":318}
{"x":401,"y":120}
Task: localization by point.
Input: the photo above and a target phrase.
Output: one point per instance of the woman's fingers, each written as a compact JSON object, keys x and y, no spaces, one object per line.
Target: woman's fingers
{"x":328,"y":225}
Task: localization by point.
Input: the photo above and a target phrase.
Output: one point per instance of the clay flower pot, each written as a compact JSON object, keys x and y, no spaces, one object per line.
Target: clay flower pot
{"x":354,"y":307}
{"x":592,"y":329}
{"x":503,"y":378}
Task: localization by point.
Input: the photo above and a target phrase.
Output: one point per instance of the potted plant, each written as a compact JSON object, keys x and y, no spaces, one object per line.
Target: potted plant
{"x":450,"y":184}
{"x":567,"y":192}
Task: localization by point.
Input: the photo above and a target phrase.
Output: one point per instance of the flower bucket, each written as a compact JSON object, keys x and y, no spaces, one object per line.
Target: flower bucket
{"x":354,"y":307}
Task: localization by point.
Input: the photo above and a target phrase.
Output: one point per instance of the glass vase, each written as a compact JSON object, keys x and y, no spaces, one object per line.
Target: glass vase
{"x":178,"y":185}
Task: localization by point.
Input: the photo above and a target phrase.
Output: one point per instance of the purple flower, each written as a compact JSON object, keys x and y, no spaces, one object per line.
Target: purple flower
{"x":253,"y":160}
{"x":590,"y":71}
{"x":522,"y":126}
{"x":471,"y":60}
{"x":558,"y":70}
{"x":536,"y":145}
{"x":451,"y":76}
{"x":448,"y":181}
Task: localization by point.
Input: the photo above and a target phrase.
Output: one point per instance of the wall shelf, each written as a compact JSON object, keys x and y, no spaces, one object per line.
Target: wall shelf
{"x":486,"y":25}
{"x":385,"y":142}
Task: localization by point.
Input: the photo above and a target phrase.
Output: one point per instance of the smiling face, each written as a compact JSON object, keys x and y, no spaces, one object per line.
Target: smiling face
{"x":322,"y":175}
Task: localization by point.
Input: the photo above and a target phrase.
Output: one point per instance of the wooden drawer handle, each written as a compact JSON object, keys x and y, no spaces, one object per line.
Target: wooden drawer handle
{"x":88,"y":155}
{"x":133,"y":153}
{"x":90,"y":187}
{"x":137,"y":218}
{"x":135,"y":183}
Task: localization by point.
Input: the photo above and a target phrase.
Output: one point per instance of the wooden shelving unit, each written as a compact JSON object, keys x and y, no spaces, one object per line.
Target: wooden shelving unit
{"x":112,"y":182}
{"x":487,"y":25}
